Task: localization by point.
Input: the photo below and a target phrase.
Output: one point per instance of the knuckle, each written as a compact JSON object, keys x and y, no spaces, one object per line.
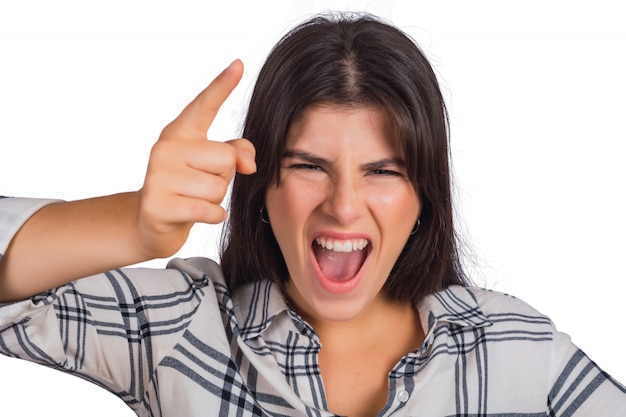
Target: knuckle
{"x":170,"y":131}
{"x":159,"y":151}
{"x":214,"y":188}
{"x":220,"y":186}
{"x":229,"y":153}
{"x":222,"y":157}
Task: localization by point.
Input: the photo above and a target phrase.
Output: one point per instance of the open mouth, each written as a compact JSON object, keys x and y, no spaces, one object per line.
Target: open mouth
{"x":340,"y":260}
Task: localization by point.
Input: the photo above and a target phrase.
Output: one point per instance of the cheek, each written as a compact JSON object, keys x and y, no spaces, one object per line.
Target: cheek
{"x":288,"y":207}
{"x":398,"y":208}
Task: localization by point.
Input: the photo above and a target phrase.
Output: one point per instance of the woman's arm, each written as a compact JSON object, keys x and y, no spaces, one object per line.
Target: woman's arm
{"x":68,"y":240}
{"x":186,"y":180}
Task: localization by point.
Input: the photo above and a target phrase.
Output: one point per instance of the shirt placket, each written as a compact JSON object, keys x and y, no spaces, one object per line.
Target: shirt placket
{"x":402,"y":381}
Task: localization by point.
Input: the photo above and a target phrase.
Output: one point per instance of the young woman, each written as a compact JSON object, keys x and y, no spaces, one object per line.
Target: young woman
{"x":339,"y":289}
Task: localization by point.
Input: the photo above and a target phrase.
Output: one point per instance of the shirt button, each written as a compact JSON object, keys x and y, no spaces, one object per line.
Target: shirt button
{"x":403,"y":396}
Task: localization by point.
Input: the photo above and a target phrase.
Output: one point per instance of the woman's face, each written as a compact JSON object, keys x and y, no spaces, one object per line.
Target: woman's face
{"x":343,"y":211}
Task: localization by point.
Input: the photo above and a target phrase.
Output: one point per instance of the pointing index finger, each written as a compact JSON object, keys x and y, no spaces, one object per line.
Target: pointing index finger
{"x":196,"y":118}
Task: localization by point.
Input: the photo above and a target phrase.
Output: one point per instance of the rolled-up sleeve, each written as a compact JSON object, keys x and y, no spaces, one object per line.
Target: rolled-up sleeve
{"x":111,"y":328}
{"x":13,"y":214}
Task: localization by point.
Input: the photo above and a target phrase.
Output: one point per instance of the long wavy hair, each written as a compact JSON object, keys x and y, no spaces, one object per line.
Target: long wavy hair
{"x":348,"y":60}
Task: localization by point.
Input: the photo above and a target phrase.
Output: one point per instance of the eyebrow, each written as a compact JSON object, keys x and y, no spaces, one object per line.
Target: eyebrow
{"x":384,"y":163}
{"x":309,"y":157}
{"x":369,"y":166}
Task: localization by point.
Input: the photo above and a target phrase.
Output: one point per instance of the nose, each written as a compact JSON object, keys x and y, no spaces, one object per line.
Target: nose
{"x":344,"y":200}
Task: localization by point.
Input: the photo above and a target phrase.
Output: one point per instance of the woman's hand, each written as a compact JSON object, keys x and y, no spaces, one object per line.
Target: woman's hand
{"x":188,"y":175}
{"x":186,"y":180}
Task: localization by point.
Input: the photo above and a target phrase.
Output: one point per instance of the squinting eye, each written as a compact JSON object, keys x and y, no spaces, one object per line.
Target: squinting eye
{"x":385,"y":172}
{"x":306,"y":167}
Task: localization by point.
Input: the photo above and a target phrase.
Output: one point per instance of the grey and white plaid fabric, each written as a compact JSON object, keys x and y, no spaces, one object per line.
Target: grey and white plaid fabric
{"x":174,"y":342}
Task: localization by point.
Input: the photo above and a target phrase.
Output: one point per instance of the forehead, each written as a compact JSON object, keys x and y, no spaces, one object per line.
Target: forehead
{"x":332,"y":124}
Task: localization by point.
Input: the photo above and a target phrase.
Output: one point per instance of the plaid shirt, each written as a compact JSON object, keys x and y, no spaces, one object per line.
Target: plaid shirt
{"x":175,"y":342}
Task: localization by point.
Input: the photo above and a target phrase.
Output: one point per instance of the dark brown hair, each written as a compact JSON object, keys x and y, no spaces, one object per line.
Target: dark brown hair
{"x":352,"y":60}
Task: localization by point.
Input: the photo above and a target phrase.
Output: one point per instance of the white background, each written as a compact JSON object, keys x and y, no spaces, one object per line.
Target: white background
{"x":535,"y":90}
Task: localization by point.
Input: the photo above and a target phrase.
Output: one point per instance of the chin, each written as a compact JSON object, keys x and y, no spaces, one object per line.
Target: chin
{"x":318,"y":304}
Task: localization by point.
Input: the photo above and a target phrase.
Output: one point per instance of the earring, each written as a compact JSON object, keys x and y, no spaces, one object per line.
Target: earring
{"x":263,"y":214}
{"x":416,"y":227}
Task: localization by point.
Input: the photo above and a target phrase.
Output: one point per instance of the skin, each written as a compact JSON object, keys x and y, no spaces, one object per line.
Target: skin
{"x":186,"y":181}
{"x":343,"y":178}
{"x":187,"y":178}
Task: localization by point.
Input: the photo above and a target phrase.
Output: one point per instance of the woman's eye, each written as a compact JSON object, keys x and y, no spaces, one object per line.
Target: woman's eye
{"x":385,"y":172}
{"x":309,"y":167}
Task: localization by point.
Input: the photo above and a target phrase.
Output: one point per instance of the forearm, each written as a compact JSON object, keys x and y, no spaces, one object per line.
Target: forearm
{"x":186,"y":181}
{"x":69,"y":240}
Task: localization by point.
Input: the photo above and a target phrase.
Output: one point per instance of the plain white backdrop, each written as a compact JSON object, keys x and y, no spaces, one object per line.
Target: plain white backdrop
{"x":535,"y":91}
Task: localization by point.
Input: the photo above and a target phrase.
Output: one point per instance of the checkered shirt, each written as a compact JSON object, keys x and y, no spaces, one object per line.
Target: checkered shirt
{"x":176,"y":342}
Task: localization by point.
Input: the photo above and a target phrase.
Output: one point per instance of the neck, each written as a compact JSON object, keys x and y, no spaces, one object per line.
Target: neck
{"x":357,"y":355}
{"x":384,"y":322}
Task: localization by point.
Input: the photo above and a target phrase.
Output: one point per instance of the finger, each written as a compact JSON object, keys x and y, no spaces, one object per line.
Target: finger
{"x":197,"y":184}
{"x":215,"y":158}
{"x":218,"y":158}
{"x":194,"y":121}
{"x":184,"y":209}
{"x":246,"y":156}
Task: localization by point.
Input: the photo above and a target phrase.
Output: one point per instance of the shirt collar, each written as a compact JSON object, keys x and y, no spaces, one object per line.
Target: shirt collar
{"x":455,"y":305}
{"x":258,"y":304}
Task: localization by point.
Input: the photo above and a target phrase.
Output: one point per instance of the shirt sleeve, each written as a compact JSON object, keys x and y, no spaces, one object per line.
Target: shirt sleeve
{"x":13,"y":213}
{"x":581,"y":388}
{"x":111,"y":329}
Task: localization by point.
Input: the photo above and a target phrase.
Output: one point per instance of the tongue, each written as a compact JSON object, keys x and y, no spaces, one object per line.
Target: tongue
{"x":339,"y":266}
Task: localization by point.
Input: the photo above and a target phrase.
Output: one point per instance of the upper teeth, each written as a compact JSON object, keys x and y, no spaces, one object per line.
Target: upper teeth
{"x":336,"y":245}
